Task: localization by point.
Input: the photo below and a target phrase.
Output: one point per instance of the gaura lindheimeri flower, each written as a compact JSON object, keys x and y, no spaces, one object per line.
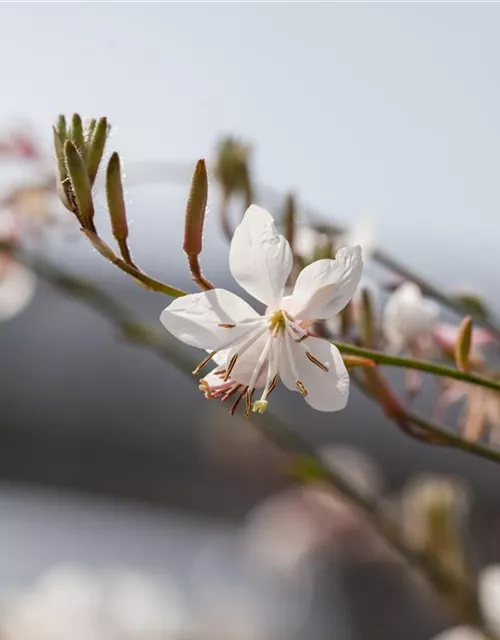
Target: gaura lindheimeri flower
{"x":253,"y":351}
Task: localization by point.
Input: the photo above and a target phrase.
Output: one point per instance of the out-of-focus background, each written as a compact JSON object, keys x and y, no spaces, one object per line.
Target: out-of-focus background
{"x":151,"y":503}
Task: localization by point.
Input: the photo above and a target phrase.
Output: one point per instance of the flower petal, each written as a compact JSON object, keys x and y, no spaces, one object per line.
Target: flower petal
{"x":246,"y":362}
{"x":17,"y":288}
{"x":259,"y":258}
{"x":326,"y":390}
{"x":325,"y":287}
{"x":198,"y":319}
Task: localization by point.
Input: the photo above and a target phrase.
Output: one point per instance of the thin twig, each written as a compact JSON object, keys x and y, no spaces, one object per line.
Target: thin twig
{"x":419,"y":365}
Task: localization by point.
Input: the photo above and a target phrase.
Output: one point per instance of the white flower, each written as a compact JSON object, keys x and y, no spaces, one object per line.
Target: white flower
{"x":251,"y":350}
{"x":17,"y":283}
{"x":489,"y":599}
{"x":409,"y":318}
{"x":74,"y":603}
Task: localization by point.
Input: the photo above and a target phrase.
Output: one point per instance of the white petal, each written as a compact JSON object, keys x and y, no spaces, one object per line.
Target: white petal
{"x":460,"y":633}
{"x":326,"y":390}
{"x":325,"y":287}
{"x":195,"y":319}
{"x":408,"y":314}
{"x":259,"y":258}
{"x":489,"y":595}
{"x":246,"y":362}
{"x":17,"y":288}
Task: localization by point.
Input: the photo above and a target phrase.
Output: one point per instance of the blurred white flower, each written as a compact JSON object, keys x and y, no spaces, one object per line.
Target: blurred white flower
{"x":73,"y":603}
{"x":409,"y":319}
{"x":489,"y":599}
{"x":286,"y":530}
{"x":17,"y":283}
{"x":251,"y":350}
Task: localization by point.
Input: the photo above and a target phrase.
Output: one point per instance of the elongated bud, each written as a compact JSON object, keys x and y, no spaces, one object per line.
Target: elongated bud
{"x":96,"y":147}
{"x":77,"y":132}
{"x":193,"y":227}
{"x":357,"y":361}
{"x":463,"y":344}
{"x":289,"y":220}
{"x":368,"y":330}
{"x":195,"y":211}
{"x":61,"y":127}
{"x":89,"y":131}
{"x":116,"y":205}
{"x":63,"y":184}
{"x":80,"y":185}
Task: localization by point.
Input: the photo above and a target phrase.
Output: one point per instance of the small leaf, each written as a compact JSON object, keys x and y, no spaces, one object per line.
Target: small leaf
{"x":80,"y":184}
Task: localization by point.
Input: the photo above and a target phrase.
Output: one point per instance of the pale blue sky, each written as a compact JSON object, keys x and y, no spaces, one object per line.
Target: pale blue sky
{"x":389,"y":108}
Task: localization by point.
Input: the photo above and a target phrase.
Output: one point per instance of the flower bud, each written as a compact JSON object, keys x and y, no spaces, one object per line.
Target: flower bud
{"x":116,"y":205}
{"x":195,"y":210}
{"x":95,"y":148}
{"x":76,"y":133}
{"x":463,"y":344}
{"x":80,"y":185}
{"x":63,"y":185}
{"x":368,"y":329}
{"x":289,"y":220}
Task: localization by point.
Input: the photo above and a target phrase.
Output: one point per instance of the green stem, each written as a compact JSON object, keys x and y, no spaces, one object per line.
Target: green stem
{"x":420,"y":365}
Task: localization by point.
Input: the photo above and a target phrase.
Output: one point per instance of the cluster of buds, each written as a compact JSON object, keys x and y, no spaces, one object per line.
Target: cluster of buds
{"x":79,"y":151}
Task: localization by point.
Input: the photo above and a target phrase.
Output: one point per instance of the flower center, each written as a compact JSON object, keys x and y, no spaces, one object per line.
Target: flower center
{"x":277,"y":322}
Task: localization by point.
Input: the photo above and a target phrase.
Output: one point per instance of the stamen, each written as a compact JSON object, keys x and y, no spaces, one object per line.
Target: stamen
{"x":237,"y":402}
{"x":316,"y":361}
{"x":230,"y":367}
{"x":204,"y":362}
{"x":225,"y":325}
{"x":273,"y":384}
{"x":248,"y":399}
{"x":301,"y":388}
{"x":302,"y":338}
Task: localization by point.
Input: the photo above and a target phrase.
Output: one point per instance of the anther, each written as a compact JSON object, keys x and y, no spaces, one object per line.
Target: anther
{"x":316,"y":361}
{"x":232,"y":362}
{"x":225,"y":325}
{"x":301,"y":388}
{"x":203,"y":363}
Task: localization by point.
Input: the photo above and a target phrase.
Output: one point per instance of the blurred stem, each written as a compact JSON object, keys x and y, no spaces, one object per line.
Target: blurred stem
{"x":447,"y":584}
{"x":444,"y":437}
{"x":420,"y":365}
